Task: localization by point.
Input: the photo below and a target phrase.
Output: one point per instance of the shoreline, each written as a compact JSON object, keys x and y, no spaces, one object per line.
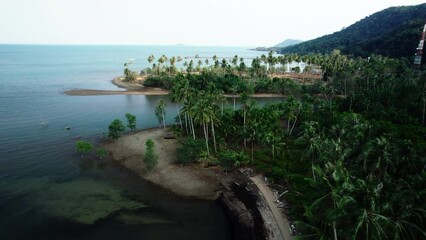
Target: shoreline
{"x":137,"y":88}
{"x":238,"y":192}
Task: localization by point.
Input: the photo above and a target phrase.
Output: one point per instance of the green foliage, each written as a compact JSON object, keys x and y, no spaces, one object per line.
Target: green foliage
{"x":150,"y":159}
{"x":162,"y":81}
{"x":160,"y":112}
{"x":83,"y":147}
{"x":393,"y":32}
{"x":350,"y":147}
{"x":231,"y":159}
{"x":116,"y":129}
{"x":129,"y":76}
{"x":101,"y":153}
{"x":190,"y":151}
{"x":131,"y":121}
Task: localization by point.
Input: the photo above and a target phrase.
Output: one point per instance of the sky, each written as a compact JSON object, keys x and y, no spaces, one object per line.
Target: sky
{"x":190,"y":22}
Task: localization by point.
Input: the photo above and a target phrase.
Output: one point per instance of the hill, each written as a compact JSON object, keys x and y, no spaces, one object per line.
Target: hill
{"x":393,"y":32}
{"x":287,"y":42}
{"x":279,"y":46}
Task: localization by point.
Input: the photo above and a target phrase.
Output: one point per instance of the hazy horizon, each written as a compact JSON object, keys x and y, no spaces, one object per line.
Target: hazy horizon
{"x":236,"y":23}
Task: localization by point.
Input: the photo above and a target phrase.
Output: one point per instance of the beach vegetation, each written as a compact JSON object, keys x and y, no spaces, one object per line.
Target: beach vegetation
{"x":150,"y":158}
{"x":83,"y":147}
{"x":190,"y":151}
{"x":160,"y":112}
{"x":131,"y":121}
{"x":129,"y":75}
{"x":116,"y":129}
{"x":101,"y":153}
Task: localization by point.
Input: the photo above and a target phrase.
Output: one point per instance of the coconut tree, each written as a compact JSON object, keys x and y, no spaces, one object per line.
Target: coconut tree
{"x":176,"y":97}
{"x":151,"y":59}
{"x":271,"y":61}
{"x":202,"y":115}
{"x":172,"y":68}
{"x":160,"y":112}
{"x":199,"y":64}
{"x":274,"y":141}
{"x":224,"y":63}
{"x":242,"y":67}
{"x":234,"y":61}
{"x":311,"y":137}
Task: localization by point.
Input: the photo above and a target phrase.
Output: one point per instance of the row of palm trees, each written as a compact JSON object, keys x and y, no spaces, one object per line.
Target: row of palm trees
{"x":350,"y":175}
{"x":168,"y":65}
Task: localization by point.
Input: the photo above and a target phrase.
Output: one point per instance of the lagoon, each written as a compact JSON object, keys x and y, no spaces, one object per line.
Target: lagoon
{"x":46,"y":189}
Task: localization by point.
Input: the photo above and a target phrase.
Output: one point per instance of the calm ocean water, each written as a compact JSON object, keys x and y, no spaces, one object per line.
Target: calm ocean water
{"x":46,"y":190}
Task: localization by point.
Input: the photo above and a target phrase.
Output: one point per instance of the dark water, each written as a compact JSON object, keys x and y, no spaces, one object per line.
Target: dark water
{"x":46,"y":190}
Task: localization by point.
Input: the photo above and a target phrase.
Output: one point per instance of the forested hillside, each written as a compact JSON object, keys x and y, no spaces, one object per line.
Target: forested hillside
{"x":393,"y":32}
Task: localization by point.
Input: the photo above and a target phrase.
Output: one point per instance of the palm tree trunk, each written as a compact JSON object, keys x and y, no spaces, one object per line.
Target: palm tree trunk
{"x":244,"y":125}
{"x":424,"y":110}
{"x":345,"y":86}
{"x":294,"y":123}
{"x":221,"y":110}
{"x":205,"y":136}
{"x":234,"y":103}
{"x":164,"y":121}
{"x":252,"y":151}
{"x":214,"y":137}
{"x":193,"y":129}
{"x":180,"y":119}
{"x":334,"y":230}
{"x":186,"y":122}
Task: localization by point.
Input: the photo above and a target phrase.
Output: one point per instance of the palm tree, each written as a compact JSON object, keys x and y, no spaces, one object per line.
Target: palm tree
{"x":274,"y":141}
{"x":160,"y":112}
{"x":234,"y":91}
{"x":242,"y":67}
{"x":151,"y":58}
{"x":312,"y":139}
{"x":172,"y":61}
{"x":234,"y":61}
{"x":224,"y":63}
{"x":271,"y":61}
{"x":176,"y":97}
{"x":202,"y":113}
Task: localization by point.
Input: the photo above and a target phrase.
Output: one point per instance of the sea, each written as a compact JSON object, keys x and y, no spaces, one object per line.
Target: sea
{"x":47,"y":191}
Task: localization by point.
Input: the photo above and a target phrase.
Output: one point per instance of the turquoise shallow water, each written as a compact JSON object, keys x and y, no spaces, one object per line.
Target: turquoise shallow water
{"x":46,"y":190}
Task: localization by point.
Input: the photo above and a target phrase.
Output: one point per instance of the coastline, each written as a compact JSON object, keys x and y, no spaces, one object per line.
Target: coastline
{"x":137,"y":88}
{"x":184,"y":180}
{"x":238,"y":192}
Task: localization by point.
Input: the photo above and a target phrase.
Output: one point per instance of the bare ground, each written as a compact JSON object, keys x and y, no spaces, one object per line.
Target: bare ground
{"x":270,"y":198}
{"x":185,"y":180}
{"x":204,"y":183}
{"x":137,"y":88}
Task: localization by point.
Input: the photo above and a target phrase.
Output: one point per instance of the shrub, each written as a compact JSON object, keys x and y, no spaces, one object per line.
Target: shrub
{"x":190,"y":151}
{"x":101,"y":153}
{"x":116,"y":128}
{"x":131,"y":121}
{"x":83,"y":147}
{"x":150,"y":158}
{"x":230,"y":159}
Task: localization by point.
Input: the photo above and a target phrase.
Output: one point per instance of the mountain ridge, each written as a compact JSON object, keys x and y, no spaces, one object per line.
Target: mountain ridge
{"x":393,"y":32}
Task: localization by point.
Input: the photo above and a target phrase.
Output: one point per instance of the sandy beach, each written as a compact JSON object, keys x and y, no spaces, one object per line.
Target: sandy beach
{"x":137,"y":88}
{"x":193,"y":180}
{"x":186,"y":180}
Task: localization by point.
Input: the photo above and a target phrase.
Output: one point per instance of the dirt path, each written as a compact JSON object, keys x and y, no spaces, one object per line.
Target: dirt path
{"x":270,"y":197}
